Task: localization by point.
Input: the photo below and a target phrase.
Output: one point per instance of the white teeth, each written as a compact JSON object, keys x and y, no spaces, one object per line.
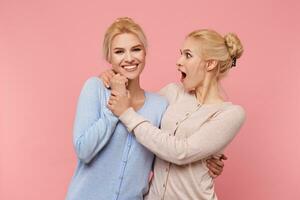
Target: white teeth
{"x":130,"y":67}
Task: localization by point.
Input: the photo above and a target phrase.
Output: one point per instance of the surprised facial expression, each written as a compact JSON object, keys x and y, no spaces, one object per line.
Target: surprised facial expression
{"x":190,"y":64}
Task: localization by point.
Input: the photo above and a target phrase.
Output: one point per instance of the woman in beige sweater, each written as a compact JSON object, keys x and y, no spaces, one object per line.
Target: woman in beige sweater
{"x":197,"y":124}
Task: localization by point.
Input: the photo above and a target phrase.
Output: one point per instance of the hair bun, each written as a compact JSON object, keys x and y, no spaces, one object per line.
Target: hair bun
{"x":120,"y":19}
{"x":234,"y":45}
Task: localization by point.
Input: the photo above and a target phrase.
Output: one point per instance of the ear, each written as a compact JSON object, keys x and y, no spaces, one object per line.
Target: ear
{"x":211,"y":65}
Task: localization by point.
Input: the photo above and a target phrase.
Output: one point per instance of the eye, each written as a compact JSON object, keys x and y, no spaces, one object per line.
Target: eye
{"x":119,"y":51}
{"x":137,"y":49}
{"x":188,"y":55}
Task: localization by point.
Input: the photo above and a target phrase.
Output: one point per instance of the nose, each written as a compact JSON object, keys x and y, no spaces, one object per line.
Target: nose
{"x":179,"y":63}
{"x":128,"y":57}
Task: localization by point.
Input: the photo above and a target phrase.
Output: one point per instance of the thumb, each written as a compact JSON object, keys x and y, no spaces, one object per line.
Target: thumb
{"x":223,"y":157}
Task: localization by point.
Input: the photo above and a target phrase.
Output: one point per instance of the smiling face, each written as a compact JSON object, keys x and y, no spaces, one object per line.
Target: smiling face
{"x":190,"y":64}
{"x":127,"y":55}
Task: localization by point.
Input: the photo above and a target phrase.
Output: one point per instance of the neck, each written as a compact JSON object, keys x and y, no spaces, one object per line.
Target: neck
{"x":208,"y":92}
{"x":135,"y":89}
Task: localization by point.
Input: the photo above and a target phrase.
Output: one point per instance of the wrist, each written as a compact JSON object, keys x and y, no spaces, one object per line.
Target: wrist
{"x":125,"y":110}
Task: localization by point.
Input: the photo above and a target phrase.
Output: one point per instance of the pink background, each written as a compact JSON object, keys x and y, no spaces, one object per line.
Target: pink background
{"x":49,"y":48}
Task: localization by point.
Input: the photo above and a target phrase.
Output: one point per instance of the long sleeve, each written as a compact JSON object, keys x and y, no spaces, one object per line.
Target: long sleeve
{"x":94,"y":123}
{"x":212,"y":137}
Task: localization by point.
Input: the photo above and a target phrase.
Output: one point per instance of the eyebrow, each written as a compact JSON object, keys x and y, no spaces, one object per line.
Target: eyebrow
{"x":120,"y":48}
{"x":186,"y":50}
{"x":138,"y":45}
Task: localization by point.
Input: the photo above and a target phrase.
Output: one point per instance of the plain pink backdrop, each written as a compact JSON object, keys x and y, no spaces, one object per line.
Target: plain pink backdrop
{"x":49,"y":48}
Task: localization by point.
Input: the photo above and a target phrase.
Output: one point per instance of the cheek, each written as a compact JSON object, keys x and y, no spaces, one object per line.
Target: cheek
{"x":196,"y":72}
{"x":140,"y":56}
{"x":199,"y":75}
{"x":116,"y":60}
{"x":115,"y":63}
{"x":200,"y":71}
{"x":193,"y":67}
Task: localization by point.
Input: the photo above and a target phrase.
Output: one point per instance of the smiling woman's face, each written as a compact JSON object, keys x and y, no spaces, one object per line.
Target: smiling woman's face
{"x":127,"y":55}
{"x":190,"y":64}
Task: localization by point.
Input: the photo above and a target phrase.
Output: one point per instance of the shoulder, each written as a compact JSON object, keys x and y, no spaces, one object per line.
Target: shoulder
{"x":94,"y":82}
{"x":234,"y":112}
{"x":173,"y":87}
{"x":172,"y":91}
{"x":235,"y":109}
{"x":93,"y":87}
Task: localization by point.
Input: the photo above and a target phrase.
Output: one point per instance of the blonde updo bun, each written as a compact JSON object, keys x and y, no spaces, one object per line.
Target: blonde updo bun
{"x":214,"y":46}
{"x":234,"y":45}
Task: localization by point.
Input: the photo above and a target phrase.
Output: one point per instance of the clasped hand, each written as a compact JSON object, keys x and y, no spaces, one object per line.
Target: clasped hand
{"x":119,"y":100}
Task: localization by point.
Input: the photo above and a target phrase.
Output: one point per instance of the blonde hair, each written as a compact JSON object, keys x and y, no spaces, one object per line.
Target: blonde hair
{"x":225,"y":49}
{"x":122,"y":25}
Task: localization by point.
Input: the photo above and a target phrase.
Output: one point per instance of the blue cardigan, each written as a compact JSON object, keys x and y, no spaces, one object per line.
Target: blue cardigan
{"x":111,"y":163}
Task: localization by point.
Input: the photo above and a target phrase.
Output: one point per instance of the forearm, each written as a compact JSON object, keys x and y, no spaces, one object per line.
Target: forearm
{"x":161,"y":143}
{"x":89,"y":141}
{"x":210,"y":139}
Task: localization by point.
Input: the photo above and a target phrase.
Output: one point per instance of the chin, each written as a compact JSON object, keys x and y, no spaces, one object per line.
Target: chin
{"x":188,"y":88}
{"x":131,"y":76}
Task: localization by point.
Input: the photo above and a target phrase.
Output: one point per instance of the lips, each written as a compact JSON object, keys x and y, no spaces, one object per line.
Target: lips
{"x":130,"y":68}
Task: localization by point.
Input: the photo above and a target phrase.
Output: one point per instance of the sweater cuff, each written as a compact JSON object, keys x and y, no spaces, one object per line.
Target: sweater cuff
{"x":131,"y":119}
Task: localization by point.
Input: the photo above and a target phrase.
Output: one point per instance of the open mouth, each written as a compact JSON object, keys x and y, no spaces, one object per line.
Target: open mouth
{"x":183,"y":75}
{"x":130,"y":68}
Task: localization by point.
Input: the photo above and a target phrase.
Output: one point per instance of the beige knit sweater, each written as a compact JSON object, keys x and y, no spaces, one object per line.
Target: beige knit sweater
{"x":189,"y":134}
